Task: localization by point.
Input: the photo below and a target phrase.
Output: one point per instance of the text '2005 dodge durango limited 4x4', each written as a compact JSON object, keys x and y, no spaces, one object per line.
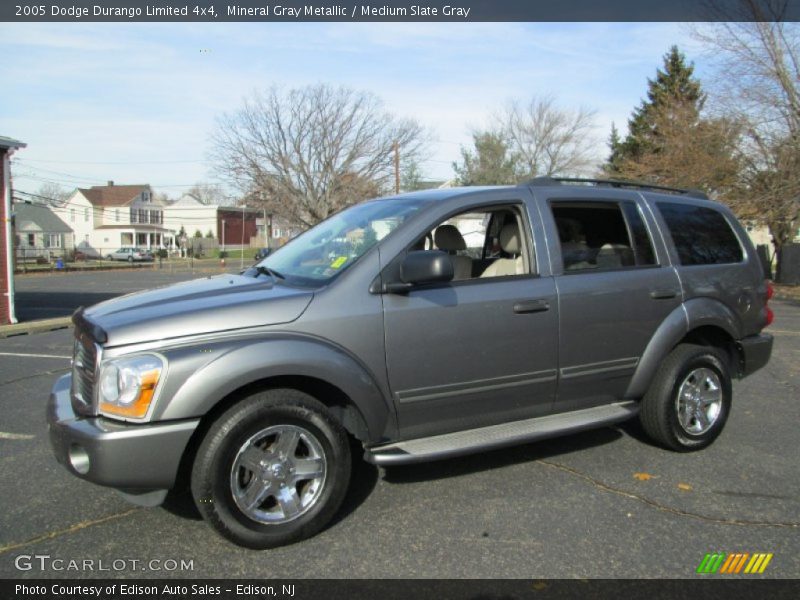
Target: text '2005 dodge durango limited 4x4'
{"x":421,"y":326}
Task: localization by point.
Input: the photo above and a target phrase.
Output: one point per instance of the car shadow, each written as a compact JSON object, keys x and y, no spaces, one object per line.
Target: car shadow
{"x":50,"y":305}
{"x":363,"y":479}
{"x":364,"y":476}
{"x":502,"y":457}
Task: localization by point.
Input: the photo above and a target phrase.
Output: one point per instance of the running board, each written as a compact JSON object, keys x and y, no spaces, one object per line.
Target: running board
{"x":496,"y":436}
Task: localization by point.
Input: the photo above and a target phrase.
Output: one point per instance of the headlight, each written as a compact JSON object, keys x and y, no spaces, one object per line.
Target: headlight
{"x":128,"y":385}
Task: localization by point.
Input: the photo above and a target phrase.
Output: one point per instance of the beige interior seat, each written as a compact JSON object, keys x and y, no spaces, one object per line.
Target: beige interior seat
{"x":511,"y":244}
{"x":449,"y":239}
{"x":614,"y":256}
{"x":575,"y":252}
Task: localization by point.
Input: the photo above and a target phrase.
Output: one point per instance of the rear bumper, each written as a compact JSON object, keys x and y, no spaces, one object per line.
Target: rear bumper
{"x":754,"y":352}
{"x":131,"y":457}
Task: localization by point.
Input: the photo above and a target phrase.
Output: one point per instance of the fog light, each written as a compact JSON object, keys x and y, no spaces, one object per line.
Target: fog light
{"x":79,"y":459}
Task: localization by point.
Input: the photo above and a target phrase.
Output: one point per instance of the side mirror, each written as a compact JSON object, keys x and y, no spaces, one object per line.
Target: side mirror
{"x":420,"y":267}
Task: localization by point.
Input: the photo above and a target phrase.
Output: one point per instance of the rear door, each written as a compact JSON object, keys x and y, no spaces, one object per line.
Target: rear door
{"x":615,"y":287}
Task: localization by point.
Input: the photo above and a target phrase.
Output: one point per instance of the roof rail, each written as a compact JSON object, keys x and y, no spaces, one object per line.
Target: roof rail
{"x":617,"y":183}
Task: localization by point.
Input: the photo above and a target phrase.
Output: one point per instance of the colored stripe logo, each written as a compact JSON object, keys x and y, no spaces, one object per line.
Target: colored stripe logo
{"x":734,"y":563}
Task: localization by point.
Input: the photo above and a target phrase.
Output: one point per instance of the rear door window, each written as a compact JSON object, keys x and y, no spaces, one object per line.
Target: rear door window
{"x":601,"y":235}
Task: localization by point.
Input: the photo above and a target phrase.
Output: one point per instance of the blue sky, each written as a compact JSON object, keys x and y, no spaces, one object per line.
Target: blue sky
{"x":136,"y":102}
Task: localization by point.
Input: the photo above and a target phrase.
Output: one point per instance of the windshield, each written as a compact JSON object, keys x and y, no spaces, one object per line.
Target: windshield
{"x":327,"y":249}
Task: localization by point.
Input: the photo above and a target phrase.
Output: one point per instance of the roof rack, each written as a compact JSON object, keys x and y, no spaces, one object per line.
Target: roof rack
{"x":617,"y":183}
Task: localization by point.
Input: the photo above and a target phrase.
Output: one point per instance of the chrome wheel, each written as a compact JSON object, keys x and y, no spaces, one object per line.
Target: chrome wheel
{"x":699,"y":401}
{"x":278,"y":474}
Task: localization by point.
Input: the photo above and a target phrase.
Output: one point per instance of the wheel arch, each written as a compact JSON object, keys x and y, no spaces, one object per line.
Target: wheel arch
{"x":702,"y":321}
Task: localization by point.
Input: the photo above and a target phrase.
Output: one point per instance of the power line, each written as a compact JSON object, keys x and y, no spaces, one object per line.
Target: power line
{"x":120,"y":162}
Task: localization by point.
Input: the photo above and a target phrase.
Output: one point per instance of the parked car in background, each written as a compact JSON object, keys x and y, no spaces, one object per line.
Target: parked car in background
{"x":262,"y":253}
{"x":131,"y":255}
{"x":415,"y":328}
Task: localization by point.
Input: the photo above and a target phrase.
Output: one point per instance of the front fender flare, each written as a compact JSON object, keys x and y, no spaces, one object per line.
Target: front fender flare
{"x":286,"y":355}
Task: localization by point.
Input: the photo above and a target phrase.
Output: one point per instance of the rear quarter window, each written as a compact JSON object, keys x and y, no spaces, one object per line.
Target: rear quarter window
{"x":702,"y":236}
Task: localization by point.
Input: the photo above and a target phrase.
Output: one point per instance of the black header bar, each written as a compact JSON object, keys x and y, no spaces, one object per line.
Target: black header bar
{"x":396,"y":10}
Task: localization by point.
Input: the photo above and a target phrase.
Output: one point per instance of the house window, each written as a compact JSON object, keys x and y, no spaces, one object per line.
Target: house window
{"x":145,"y":196}
{"x":72,"y":214}
{"x":31,"y":240}
{"x":52,"y":240}
{"x":86,"y":215}
{"x":116,"y":215}
{"x":134,"y":215}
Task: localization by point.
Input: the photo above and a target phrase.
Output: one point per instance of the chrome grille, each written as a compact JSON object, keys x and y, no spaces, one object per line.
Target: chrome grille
{"x":84,"y":363}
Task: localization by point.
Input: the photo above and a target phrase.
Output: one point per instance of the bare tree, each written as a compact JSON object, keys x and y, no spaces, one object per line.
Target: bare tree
{"x":52,"y":193}
{"x":310,"y":152}
{"x":757,"y":56}
{"x":208,"y":193}
{"x":547,"y":139}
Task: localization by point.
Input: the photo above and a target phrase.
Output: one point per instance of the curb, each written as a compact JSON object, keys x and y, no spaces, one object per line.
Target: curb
{"x":35,"y":327}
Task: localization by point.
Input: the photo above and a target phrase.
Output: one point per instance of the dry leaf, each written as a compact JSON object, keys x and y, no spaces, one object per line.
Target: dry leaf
{"x":685,"y":487}
{"x":539,"y":586}
{"x":642,"y":476}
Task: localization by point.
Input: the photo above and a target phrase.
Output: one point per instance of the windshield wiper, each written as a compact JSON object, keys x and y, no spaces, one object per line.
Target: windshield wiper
{"x":271,"y":272}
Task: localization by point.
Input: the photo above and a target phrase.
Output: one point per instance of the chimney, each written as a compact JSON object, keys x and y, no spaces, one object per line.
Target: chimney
{"x":110,"y":183}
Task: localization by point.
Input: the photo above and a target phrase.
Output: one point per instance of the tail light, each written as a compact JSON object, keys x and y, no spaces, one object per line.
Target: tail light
{"x":770,"y":294}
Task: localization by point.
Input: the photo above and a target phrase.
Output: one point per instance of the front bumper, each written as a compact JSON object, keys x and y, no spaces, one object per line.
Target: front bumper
{"x":754,"y":352}
{"x":134,"y":458}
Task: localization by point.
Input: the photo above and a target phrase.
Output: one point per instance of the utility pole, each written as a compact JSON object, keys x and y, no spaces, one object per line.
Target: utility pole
{"x":396,"y":168}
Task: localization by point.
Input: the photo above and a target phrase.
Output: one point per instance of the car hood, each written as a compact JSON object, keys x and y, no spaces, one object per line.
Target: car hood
{"x":212,"y":304}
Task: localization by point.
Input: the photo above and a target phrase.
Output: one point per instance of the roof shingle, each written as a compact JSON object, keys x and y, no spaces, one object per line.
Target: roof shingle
{"x":112,"y":195}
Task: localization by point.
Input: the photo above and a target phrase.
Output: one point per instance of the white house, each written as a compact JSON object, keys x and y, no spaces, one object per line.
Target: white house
{"x":107,"y":217}
{"x":192,"y":215}
{"x":39,"y":232}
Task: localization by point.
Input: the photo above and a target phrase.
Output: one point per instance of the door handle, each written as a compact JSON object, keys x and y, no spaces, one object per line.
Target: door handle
{"x":531,"y":306}
{"x":663,"y":294}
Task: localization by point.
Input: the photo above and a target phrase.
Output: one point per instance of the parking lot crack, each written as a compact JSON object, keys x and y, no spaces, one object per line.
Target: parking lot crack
{"x":72,"y":529}
{"x":35,"y":375}
{"x":662,"y":507}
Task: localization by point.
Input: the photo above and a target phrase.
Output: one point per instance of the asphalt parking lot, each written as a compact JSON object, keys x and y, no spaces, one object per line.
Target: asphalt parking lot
{"x":602,"y":504}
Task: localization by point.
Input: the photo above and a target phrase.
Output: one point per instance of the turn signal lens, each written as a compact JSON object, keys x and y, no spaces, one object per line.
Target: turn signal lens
{"x":128,"y":386}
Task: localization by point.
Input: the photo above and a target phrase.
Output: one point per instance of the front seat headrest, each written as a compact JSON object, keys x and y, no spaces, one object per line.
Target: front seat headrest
{"x":509,"y":238}
{"x":449,"y":239}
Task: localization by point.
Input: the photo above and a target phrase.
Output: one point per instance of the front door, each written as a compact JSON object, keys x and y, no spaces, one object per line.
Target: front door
{"x":482,"y":349}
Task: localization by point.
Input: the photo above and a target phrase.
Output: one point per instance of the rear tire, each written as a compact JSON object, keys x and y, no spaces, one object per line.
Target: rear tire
{"x":689,"y":400}
{"x":272,"y":470}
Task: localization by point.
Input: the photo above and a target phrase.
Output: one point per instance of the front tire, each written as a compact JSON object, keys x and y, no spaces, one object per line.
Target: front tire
{"x":272,"y":470}
{"x":689,"y":400}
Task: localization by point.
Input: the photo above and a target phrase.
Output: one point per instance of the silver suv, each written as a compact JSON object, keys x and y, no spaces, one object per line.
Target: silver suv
{"x":415,"y":328}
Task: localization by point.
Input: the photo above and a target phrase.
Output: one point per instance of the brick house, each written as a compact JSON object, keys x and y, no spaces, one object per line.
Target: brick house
{"x":7,"y":314}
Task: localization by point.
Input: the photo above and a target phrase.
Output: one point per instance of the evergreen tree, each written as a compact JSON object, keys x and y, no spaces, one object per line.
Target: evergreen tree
{"x":670,"y":143}
{"x":491,"y":163}
{"x":674,"y":87}
{"x":612,"y":166}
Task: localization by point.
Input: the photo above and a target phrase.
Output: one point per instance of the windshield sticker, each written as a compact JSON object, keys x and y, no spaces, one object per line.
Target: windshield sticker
{"x":338,"y":262}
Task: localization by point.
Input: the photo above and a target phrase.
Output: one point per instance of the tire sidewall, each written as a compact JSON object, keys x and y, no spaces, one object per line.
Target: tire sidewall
{"x":703,"y":358}
{"x":211,"y":475}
